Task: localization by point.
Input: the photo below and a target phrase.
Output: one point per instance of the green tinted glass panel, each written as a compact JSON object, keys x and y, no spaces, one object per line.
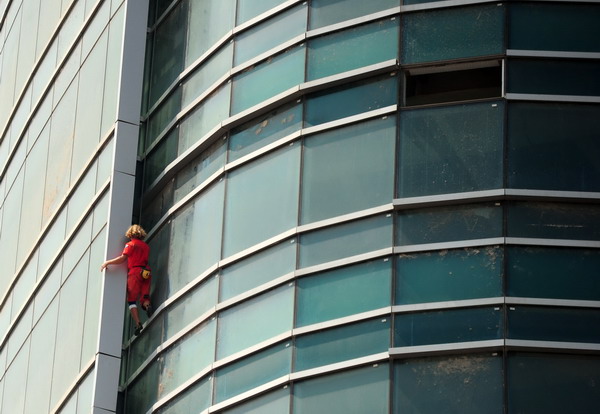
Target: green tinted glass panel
{"x":162,"y":116}
{"x":451,"y":149}
{"x":456,"y":325}
{"x":275,"y":402}
{"x":270,"y":33}
{"x":554,"y":221}
{"x":353,"y":48}
{"x":550,"y":272}
{"x":326,"y":12}
{"x":207,"y":74}
{"x":553,"y":383}
{"x":345,"y":240}
{"x":343,"y":343}
{"x":262,"y":199}
{"x":568,"y":27}
{"x":267,"y":79}
{"x":541,"y":76}
{"x":553,"y":146}
{"x":470,"y":384}
{"x":193,"y":400}
{"x":452,"y":33}
{"x":348,"y":169}
{"x":153,"y":210}
{"x":247,"y":9}
{"x":258,"y":269}
{"x":553,"y":324}
{"x":143,"y":346}
{"x":435,"y":225}
{"x":253,"y":371}
{"x":163,"y":154}
{"x":266,"y":130}
{"x":449,"y":275}
{"x":159,"y":261}
{"x":359,"y":391}
{"x":351,"y":100}
{"x":142,"y":393}
{"x":343,"y":292}
{"x":208,"y":22}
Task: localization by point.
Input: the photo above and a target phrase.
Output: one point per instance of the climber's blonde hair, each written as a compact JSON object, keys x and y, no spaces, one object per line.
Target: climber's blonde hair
{"x":135,"y":232}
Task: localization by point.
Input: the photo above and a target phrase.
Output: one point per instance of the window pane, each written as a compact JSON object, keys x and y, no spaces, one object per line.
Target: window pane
{"x":344,"y":240}
{"x":449,"y":275}
{"x":161,"y":156}
{"x":359,"y":391}
{"x":143,"y":346}
{"x":353,"y":48}
{"x":209,"y":21}
{"x":255,"y":320}
{"x":452,"y":33}
{"x":247,"y":9}
{"x":451,"y":149}
{"x":326,"y":12}
{"x":343,"y":343}
{"x":262,"y":199}
{"x":549,"y":272}
{"x":343,"y":292}
{"x":350,"y":100}
{"x":275,"y":402}
{"x":348,"y":169}
{"x":155,"y":209}
{"x":470,"y":384}
{"x":553,"y":146}
{"x":455,"y":325}
{"x":143,"y":392}
{"x":435,"y":225}
{"x":162,"y":116}
{"x":192,"y":401}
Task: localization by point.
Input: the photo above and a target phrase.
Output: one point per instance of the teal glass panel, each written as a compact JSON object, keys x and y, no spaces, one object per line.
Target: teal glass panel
{"x":452,"y":33}
{"x":270,"y":33}
{"x":553,"y":324}
{"x":344,"y":240}
{"x":554,"y":221}
{"x":350,"y":100}
{"x":359,"y":391}
{"x":159,"y":260}
{"x":553,"y":146}
{"x":258,"y":269}
{"x":343,"y":343}
{"x":268,"y":79}
{"x":436,"y":225}
{"x":247,"y":9}
{"x":275,"y":402}
{"x":343,"y":292}
{"x":253,"y":371}
{"x":353,"y":48}
{"x":143,"y":392}
{"x":192,"y":401}
{"x":551,"y":272}
{"x":326,"y":12}
{"x":469,"y":384}
{"x":153,"y":210}
{"x":451,"y":149}
{"x":455,"y":325}
{"x":553,"y":383}
{"x":162,"y":116}
{"x":448,"y":275}
{"x":348,"y":169}
{"x":208,"y":22}
{"x":255,"y":320}
{"x":261,"y":132}
{"x":544,"y":76}
{"x":143,"y":346}
{"x":262,"y":199}
{"x":566,"y":27}
{"x":161,"y":156}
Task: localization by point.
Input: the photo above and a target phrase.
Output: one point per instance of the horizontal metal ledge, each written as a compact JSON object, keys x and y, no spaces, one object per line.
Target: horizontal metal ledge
{"x":413,"y":248}
{"x":334,"y":264}
{"x":443,"y":4}
{"x":552,"y":54}
{"x":448,"y":304}
{"x":351,"y":363}
{"x":392,"y":12}
{"x":571,"y":303}
{"x":521,"y":344}
{"x":377,"y":313}
{"x":552,"y":98}
{"x":552,"y":242}
{"x":457,"y":347}
{"x":377,"y":113}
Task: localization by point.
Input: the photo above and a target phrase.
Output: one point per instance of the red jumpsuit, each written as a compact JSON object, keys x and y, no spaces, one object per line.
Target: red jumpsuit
{"x":137,"y":252}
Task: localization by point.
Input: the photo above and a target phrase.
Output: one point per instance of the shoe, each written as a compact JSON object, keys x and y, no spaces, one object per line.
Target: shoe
{"x":138,"y":329}
{"x":149,"y":310}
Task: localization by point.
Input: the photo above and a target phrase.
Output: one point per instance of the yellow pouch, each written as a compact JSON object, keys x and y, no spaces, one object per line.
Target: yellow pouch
{"x":145,"y":273}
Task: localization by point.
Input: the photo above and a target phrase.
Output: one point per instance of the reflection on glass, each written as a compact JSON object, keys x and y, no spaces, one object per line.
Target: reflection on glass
{"x":162,"y":116}
{"x":161,"y":156}
{"x":326,"y":12}
{"x":207,"y":74}
{"x":247,"y":9}
{"x":275,"y":402}
{"x":193,"y":400}
{"x":209,"y":21}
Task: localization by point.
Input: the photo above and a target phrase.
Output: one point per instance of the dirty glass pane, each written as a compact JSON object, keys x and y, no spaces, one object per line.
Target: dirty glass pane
{"x":350,"y":100}
{"x":192,"y":401}
{"x":451,"y":149}
{"x":348,"y":169}
{"x":258,"y":269}
{"x":162,"y":116}
{"x":470,"y":384}
{"x":255,"y":320}
{"x":253,"y":371}
{"x":553,"y":324}
{"x":553,"y":146}
{"x":275,"y":402}
{"x":568,"y":27}
{"x":262,"y":199}
{"x":344,"y":240}
{"x":326,"y":12}
{"x":452,"y":33}
{"x":553,"y":383}
{"x":443,"y":224}
{"x":143,"y":392}
{"x":270,"y":33}
{"x":208,"y":22}
{"x":352,"y":48}
{"x":343,"y":292}
{"x":445,"y":326}
{"x":267,"y":79}
{"x":343,"y":343}
{"x":553,"y":272}
{"x":153,"y":210}
{"x":449,"y":275}
{"x":263,"y":131}
{"x":247,"y":9}
{"x":159,"y":260}
{"x":161,"y":156}
{"x":358,"y":391}
{"x":554,"y":221}
{"x":543,"y":76}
